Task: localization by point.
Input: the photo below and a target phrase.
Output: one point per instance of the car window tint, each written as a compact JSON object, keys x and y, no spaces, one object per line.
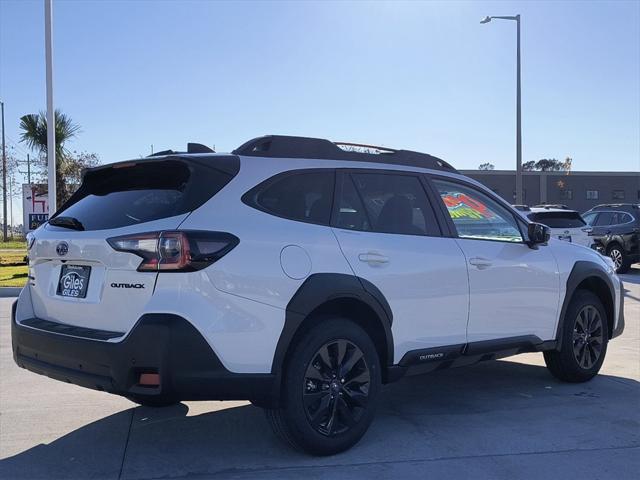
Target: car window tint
{"x":476,"y":215}
{"x":306,"y":197}
{"x":351,"y":213}
{"x":395,"y":203}
{"x":558,"y":219}
{"x":605,"y":218}
{"x":137,"y":192}
{"x":625,"y":218}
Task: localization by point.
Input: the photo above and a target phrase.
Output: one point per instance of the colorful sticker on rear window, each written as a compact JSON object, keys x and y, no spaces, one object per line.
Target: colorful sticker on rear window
{"x":463,"y":206}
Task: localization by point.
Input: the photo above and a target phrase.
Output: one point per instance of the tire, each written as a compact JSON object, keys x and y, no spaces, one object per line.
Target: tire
{"x":619,"y":257}
{"x":321,"y":414}
{"x":584,"y":340}
{"x":159,"y":401}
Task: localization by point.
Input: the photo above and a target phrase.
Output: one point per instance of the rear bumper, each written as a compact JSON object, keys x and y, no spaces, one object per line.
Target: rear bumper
{"x":159,"y":343}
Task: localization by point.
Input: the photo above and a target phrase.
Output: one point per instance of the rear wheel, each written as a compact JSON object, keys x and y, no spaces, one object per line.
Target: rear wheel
{"x":330,"y":388}
{"x":584,"y":340}
{"x":620,"y":258}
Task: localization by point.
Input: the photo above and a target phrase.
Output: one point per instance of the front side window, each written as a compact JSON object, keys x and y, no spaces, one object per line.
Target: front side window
{"x":303,"y":196}
{"x":476,"y":215}
{"x":605,"y":218}
{"x":386,"y":203}
{"x":589,"y":218}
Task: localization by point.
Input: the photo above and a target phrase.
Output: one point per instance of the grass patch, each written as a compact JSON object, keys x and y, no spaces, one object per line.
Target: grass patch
{"x":13,"y":245}
{"x":12,"y":258}
{"x":13,"y":276}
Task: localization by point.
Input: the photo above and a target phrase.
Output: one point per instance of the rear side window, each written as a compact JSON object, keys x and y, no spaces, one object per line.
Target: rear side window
{"x":138,"y":192}
{"x":386,"y":203}
{"x":621,"y":218}
{"x":558,"y":219}
{"x":301,"y":196}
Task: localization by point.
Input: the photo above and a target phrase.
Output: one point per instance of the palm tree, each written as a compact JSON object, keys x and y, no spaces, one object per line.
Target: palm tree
{"x":34,"y":134}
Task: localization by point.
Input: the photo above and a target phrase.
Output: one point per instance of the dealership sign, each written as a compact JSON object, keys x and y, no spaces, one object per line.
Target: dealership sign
{"x":35,"y":206}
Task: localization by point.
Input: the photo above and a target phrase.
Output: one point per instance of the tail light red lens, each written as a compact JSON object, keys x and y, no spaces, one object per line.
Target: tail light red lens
{"x":176,"y":251}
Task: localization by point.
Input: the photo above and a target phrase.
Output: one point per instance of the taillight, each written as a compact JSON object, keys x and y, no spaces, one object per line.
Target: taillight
{"x":175,"y":251}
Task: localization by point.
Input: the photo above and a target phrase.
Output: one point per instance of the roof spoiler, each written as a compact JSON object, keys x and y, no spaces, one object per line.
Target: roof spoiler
{"x":191,"y":148}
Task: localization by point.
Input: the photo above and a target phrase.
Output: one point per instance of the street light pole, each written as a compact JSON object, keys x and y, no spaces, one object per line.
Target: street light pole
{"x":51,"y":122}
{"x":519,"y":189}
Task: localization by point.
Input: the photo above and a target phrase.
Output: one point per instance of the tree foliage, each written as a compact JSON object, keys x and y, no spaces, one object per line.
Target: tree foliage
{"x":69,"y":165}
{"x":486,"y":166}
{"x":548,"y":165}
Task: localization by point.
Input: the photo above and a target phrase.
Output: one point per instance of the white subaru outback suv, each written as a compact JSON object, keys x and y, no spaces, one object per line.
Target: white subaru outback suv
{"x":301,"y":275}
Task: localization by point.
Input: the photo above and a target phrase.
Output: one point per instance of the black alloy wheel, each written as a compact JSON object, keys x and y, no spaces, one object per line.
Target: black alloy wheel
{"x":588,"y":337}
{"x":336,"y":387}
{"x":582,"y":342}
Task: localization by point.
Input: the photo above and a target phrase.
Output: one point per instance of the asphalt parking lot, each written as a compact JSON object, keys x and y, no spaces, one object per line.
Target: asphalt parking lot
{"x":504,"y":419}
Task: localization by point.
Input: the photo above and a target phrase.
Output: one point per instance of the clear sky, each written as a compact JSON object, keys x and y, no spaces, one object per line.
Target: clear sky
{"x":418,"y":75}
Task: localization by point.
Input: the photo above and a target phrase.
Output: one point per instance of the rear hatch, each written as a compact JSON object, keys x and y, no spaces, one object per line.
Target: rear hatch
{"x":76,"y":277}
{"x":565,"y":225}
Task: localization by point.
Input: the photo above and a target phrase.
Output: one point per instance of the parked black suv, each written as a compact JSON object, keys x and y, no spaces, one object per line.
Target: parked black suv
{"x":616,"y":232}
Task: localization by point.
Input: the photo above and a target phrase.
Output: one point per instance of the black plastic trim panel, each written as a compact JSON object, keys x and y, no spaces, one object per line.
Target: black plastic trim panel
{"x":320,"y":288}
{"x":416,"y":362}
{"x":159,"y":343}
{"x":72,"y":330}
{"x":581,"y":271}
{"x":617,"y":331}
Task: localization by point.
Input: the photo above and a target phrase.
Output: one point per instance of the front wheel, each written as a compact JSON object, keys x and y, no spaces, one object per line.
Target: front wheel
{"x":330,"y":388}
{"x":584,"y":340}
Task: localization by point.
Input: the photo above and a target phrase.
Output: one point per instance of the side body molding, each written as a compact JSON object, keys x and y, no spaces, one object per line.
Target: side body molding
{"x":319,"y":289}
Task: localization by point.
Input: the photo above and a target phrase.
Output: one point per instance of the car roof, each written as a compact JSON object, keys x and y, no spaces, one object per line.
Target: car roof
{"x":626,"y":207}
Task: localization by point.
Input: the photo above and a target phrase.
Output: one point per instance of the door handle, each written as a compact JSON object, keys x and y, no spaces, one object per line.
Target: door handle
{"x":480,"y":262}
{"x":373,"y":258}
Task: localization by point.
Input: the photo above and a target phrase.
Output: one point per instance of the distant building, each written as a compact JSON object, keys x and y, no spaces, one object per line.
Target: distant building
{"x":578,"y":190}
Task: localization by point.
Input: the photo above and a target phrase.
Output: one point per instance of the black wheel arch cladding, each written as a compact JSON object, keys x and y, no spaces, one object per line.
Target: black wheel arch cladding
{"x":593,"y":277}
{"x":326,"y":289}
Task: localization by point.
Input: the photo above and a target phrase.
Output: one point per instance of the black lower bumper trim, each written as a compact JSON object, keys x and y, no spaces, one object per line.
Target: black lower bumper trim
{"x":159,"y":343}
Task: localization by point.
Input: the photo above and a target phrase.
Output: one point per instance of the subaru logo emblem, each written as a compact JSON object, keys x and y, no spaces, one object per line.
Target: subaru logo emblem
{"x":62,"y":248}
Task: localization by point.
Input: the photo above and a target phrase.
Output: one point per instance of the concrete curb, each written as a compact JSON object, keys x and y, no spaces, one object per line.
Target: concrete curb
{"x":6,"y":292}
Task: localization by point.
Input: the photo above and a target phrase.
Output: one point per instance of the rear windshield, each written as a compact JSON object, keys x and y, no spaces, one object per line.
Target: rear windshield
{"x":128,"y":194}
{"x":558,"y":219}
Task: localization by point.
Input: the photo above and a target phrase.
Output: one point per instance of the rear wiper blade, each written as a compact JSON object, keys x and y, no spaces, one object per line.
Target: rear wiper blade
{"x":67,"y":222}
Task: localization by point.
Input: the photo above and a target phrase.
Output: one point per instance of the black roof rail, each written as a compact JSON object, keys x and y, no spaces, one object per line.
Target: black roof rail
{"x":612,"y":205}
{"x":283,"y":146}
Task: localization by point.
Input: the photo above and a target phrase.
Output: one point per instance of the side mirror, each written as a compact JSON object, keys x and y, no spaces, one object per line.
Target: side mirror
{"x":538,"y":233}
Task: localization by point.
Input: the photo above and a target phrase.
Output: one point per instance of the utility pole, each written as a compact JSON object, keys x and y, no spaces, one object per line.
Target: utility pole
{"x":4,"y":179}
{"x":28,"y":172}
{"x":51,"y":122}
